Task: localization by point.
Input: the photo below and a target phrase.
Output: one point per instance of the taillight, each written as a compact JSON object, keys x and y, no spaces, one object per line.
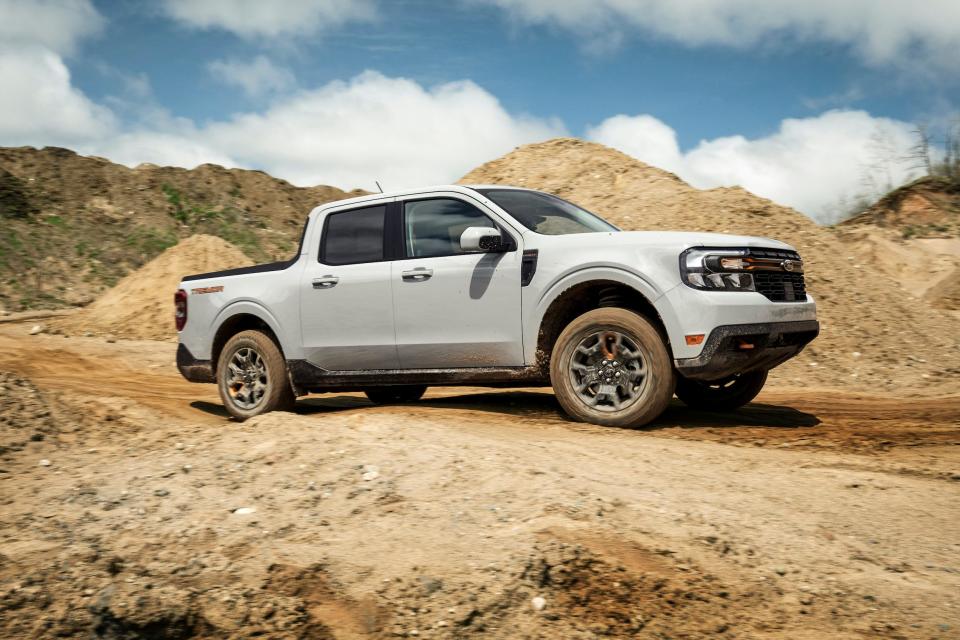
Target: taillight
{"x":180,"y":308}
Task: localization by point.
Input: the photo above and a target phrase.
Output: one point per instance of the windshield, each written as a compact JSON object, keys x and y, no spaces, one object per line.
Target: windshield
{"x":546,"y":214}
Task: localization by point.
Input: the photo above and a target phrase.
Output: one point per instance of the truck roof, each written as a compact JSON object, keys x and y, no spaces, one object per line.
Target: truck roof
{"x":458,"y":188}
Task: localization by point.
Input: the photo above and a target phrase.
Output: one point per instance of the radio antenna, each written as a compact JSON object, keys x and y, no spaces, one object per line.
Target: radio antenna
{"x":378,"y":185}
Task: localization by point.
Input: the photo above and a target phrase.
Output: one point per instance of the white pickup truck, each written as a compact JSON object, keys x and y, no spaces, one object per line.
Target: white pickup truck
{"x":497,"y":286}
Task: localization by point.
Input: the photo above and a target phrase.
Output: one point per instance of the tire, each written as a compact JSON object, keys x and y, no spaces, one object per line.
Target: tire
{"x":244,"y":394}
{"x":395,"y":395}
{"x":722,"y":395}
{"x":578,"y":377}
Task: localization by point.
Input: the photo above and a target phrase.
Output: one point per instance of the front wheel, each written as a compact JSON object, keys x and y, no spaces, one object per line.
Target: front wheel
{"x":395,"y":395}
{"x":611,"y":367}
{"x":721,"y":395}
{"x":252,"y":376}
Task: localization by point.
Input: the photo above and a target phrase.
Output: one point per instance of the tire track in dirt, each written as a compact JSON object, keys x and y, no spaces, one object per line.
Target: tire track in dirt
{"x":73,"y":367}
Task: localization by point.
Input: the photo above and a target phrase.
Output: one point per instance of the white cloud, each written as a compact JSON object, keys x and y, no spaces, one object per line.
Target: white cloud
{"x":347,"y":134}
{"x":269,"y":18}
{"x":377,"y":128}
{"x":179,"y":147}
{"x":55,"y":24}
{"x":38,"y":104}
{"x":811,"y":164}
{"x":880,"y":31}
{"x":643,"y":137}
{"x":256,"y":77}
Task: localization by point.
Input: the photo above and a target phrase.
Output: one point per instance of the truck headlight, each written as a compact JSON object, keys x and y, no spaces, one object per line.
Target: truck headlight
{"x":716,"y":270}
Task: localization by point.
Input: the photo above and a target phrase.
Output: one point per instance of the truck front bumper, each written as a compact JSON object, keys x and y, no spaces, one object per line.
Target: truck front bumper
{"x":738,"y":348}
{"x":192,"y":369}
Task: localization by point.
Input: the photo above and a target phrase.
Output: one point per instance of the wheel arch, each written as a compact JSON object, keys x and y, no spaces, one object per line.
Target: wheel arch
{"x":584,"y":292}
{"x":242,"y":317}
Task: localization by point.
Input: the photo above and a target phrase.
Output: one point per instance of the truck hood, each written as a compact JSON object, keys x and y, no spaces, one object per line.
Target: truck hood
{"x":679,"y":240}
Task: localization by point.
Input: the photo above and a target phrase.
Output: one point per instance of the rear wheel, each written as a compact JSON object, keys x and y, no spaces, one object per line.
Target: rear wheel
{"x":395,"y":395}
{"x":252,"y":376}
{"x":611,"y":367}
{"x":721,"y":395}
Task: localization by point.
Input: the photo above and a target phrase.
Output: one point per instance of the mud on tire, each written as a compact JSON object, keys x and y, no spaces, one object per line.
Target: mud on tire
{"x":628,"y":390}
{"x":252,"y":376}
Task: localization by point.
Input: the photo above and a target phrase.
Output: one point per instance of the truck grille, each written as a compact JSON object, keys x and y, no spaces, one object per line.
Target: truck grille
{"x":779,"y":286}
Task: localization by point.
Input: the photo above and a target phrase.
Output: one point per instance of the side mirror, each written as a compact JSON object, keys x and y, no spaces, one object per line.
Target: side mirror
{"x":476,"y":239}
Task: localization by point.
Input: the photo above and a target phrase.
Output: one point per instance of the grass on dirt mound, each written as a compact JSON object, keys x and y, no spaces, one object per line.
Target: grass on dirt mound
{"x":74,"y":225}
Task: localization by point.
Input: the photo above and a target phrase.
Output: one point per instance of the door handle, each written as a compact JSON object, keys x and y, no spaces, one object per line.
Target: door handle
{"x":325,"y":282}
{"x":417,"y":275}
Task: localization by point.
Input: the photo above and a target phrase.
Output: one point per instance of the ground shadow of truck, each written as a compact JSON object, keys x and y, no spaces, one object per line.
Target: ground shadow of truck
{"x":542,"y":407}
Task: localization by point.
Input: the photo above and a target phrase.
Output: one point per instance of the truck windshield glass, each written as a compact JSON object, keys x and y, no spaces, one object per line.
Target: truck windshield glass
{"x":546,"y":214}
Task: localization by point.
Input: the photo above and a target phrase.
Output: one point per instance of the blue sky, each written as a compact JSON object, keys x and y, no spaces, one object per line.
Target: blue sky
{"x":760,"y":93}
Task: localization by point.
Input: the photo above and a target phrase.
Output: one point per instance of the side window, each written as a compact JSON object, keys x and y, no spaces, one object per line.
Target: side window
{"x":351,"y":237}
{"x":433,"y":227}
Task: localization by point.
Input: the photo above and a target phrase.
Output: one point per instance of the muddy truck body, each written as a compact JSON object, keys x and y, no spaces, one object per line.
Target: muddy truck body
{"x":497,"y":286}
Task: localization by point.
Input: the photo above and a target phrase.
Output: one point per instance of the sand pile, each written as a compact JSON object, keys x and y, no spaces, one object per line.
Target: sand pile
{"x":141,"y":305}
{"x":72,"y":225}
{"x":875,"y":334}
{"x":927,"y":207}
{"x":947,"y":296}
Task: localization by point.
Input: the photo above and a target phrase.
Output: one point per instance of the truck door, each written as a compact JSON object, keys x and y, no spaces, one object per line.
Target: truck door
{"x":346,"y":301}
{"x":454,"y":309}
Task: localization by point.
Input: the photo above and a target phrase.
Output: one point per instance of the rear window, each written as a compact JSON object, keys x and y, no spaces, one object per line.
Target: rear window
{"x":354,"y":236}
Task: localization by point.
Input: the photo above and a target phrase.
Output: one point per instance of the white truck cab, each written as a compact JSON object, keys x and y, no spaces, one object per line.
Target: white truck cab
{"x":491,"y":285}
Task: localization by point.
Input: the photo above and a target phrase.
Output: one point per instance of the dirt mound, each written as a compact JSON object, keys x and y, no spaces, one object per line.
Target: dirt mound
{"x":947,"y":296}
{"x":74,"y":225}
{"x":141,"y":305}
{"x":491,"y":515}
{"x":925,"y":208}
{"x":927,"y":268}
{"x":25,"y":414}
{"x":874,"y":333}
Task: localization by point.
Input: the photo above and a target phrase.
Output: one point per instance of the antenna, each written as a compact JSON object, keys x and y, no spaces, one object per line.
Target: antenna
{"x":378,"y":186}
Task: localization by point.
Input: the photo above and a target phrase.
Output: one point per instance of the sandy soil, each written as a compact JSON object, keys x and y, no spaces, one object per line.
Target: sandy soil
{"x":812,"y":513}
{"x":139,"y":307}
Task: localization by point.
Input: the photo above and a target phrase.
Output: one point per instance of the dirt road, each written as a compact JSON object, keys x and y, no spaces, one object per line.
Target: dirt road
{"x":811,"y":513}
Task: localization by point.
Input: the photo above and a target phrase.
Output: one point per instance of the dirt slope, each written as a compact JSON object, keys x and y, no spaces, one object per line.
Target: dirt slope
{"x":928,"y":207}
{"x":132,"y":508}
{"x":141,"y":305}
{"x":875,"y":334}
{"x":913,"y":235}
{"x":74,"y":225}
{"x":948,"y":296}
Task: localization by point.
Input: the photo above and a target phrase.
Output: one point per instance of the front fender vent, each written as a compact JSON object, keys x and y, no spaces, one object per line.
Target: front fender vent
{"x":528,"y":266}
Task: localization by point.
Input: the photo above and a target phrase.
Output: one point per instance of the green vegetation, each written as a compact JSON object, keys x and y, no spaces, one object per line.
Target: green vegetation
{"x":228,"y":222}
{"x":149,"y":242}
{"x":183,"y":211}
{"x":176,"y":200}
{"x":14,"y":202}
{"x":938,"y":157}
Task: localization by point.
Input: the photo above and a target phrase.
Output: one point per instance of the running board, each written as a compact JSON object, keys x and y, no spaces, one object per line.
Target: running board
{"x":308,"y":376}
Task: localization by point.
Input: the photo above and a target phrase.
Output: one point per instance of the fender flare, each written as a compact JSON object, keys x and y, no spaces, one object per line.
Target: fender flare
{"x":252,"y":308}
{"x":587,"y":274}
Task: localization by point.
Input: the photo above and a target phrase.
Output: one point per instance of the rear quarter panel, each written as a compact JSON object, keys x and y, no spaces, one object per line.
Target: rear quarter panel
{"x":271,"y":296}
